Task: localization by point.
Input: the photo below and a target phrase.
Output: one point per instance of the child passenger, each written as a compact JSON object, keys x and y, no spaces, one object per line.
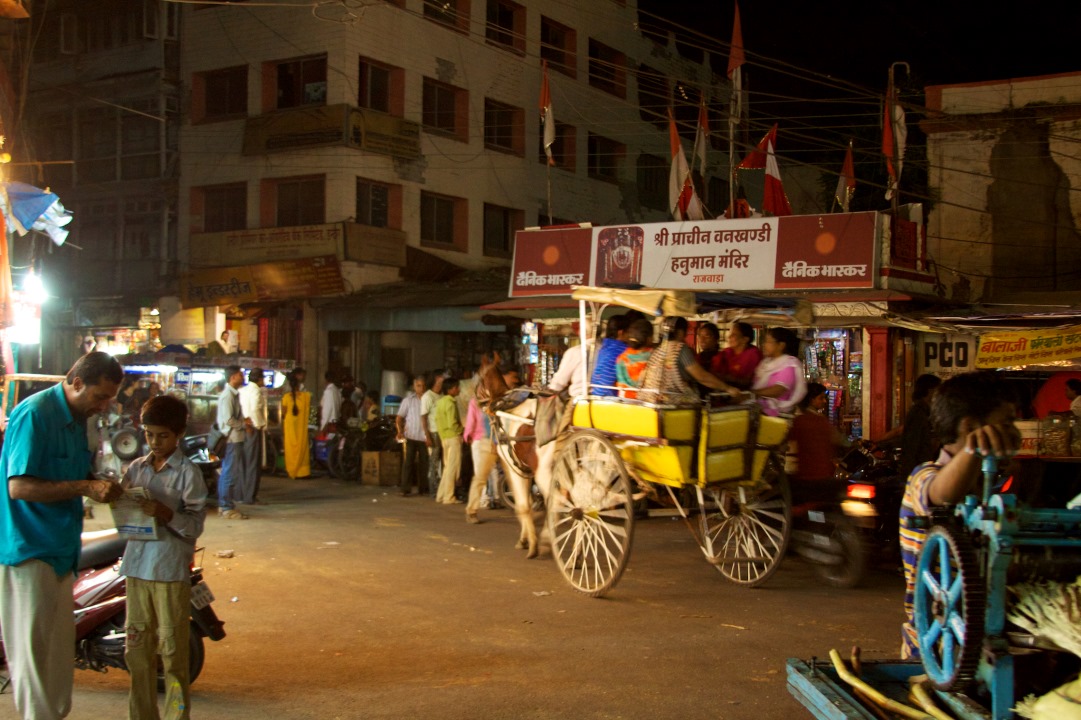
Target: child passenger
{"x":973,"y":415}
{"x":159,"y":571}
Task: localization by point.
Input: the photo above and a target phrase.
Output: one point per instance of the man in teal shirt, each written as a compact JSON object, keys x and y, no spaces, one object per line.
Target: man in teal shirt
{"x":46,"y":463}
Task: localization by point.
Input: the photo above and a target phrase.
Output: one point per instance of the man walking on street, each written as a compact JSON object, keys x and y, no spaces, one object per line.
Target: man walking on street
{"x":450,"y":435}
{"x":253,"y":407}
{"x":413,"y":431}
{"x":46,"y":462}
{"x":231,"y":421}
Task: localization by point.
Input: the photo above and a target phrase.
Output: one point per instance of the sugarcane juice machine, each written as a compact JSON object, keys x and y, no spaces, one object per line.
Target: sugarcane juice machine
{"x":968,"y":559}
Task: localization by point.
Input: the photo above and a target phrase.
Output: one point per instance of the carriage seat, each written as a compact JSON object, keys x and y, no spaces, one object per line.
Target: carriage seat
{"x":668,"y":424}
{"x":737,"y":441}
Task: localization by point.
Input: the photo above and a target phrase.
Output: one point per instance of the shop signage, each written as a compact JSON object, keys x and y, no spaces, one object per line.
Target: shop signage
{"x":299,"y":278}
{"x":242,"y":247}
{"x":799,"y":252}
{"x":1038,"y":347}
{"x":947,"y":354}
{"x":550,"y":262}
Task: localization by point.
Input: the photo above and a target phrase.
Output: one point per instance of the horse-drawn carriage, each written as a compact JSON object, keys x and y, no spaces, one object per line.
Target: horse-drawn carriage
{"x":722,"y":467}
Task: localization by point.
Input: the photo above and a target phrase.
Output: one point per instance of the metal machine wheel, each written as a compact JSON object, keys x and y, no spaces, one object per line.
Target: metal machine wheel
{"x":744,"y":530}
{"x":590,"y":512}
{"x":949,"y":607}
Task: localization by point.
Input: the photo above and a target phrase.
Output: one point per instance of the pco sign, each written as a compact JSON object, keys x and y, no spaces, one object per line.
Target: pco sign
{"x":946,"y":354}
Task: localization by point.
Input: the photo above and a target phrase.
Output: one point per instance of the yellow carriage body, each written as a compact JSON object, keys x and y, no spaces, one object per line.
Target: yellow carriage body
{"x":660,"y":442}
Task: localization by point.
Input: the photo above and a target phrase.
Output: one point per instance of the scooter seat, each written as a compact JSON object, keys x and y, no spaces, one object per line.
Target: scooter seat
{"x":101,"y":551}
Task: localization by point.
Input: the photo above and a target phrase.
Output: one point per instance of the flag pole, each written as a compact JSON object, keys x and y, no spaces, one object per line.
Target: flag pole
{"x":548,"y":173}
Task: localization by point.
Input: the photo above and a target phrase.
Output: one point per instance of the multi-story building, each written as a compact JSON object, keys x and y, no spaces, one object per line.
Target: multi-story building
{"x":1003,"y":157}
{"x":401,"y":141}
{"x":100,"y":129}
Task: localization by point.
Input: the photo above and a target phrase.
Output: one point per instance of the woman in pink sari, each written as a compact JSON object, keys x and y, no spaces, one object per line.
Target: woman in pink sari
{"x":779,"y":383}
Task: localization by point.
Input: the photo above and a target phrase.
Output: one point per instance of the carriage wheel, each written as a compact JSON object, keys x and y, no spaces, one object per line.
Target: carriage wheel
{"x":590,"y":512}
{"x":745,"y":530}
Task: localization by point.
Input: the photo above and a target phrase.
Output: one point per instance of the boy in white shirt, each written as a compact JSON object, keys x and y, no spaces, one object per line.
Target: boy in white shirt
{"x":159,"y":571}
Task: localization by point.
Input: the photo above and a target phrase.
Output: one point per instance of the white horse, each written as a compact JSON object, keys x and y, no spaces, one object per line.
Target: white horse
{"x":512,"y":419}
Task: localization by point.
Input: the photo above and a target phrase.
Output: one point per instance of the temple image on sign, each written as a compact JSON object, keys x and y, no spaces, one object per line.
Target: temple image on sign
{"x":619,"y":256}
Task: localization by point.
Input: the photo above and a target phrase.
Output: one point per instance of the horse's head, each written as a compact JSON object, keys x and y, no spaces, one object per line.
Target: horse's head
{"x":492,"y":385}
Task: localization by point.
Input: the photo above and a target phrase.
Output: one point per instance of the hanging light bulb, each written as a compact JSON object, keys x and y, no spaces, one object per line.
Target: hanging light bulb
{"x":35,"y":288}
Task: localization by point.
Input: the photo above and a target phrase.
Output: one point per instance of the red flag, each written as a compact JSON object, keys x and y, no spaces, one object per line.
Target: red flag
{"x":546,"y":114}
{"x":756,"y":159}
{"x":735,"y":74}
{"x":774,"y":201}
{"x":682,"y":198}
{"x":894,"y":137}
{"x":701,"y":136}
{"x":846,"y":183}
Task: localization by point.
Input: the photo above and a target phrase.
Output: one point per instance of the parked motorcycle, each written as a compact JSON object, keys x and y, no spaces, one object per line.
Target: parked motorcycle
{"x":856,"y":522}
{"x":100,"y":610}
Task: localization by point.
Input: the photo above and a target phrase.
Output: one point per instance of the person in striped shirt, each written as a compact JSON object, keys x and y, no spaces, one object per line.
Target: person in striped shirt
{"x":973,"y":415}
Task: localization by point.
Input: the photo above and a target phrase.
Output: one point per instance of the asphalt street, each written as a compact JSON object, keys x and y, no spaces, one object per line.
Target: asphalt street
{"x":345,"y":601}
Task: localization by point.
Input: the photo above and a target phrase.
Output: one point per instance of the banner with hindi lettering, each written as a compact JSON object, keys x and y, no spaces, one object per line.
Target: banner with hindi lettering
{"x":1037,"y":347}
{"x":827,"y":251}
{"x":550,"y":262}
{"x":729,"y":254}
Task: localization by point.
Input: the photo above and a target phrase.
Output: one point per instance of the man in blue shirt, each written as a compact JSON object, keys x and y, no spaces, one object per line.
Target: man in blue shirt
{"x":603,"y":381}
{"x":231,"y":421}
{"x":46,"y":462}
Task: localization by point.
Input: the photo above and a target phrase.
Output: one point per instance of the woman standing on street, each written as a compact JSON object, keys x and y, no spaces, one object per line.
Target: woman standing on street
{"x":296,"y":404}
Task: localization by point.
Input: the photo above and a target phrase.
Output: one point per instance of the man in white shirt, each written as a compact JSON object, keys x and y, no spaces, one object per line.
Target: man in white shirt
{"x":331,"y":404}
{"x":253,"y":407}
{"x":435,"y":449}
{"x":569,"y":374}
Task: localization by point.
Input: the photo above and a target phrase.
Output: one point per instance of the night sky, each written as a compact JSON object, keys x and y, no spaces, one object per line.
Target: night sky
{"x":945,"y":42}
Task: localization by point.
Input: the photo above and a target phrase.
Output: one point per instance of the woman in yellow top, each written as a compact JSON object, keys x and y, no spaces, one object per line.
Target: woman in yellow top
{"x":296,"y":404}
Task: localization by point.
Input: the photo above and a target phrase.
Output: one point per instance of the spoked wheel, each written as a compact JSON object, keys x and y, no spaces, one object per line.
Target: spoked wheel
{"x":590,"y":513}
{"x":949,"y":607}
{"x":744,"y":530}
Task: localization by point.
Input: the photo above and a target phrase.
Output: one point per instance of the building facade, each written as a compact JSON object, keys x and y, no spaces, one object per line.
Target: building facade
{"x":405,"y":141}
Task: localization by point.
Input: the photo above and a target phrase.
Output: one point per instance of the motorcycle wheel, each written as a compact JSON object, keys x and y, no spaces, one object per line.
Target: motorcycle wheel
{"x":126,"y":443}
{"x":853,"y":566}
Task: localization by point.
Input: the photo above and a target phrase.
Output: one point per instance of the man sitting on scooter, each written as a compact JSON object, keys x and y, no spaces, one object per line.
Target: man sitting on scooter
{"x":973,"y":414}
{"x":816,"y":441}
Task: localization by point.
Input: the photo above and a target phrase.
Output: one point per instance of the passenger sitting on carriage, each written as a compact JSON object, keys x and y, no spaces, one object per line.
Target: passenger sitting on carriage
{"x":672,"y":371}
{"x":603,"y":381}
{"x":779,"y":383}
{"x":632,"y":362}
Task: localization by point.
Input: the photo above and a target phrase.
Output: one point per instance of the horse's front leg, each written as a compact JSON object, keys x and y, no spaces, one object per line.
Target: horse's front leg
{"x":520,"y":489}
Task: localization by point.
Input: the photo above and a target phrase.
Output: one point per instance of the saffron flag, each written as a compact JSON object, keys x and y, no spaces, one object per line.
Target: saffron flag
{"x":701,"y":136}
{"x":756,"y":159}
{"x":546,"y":115}
{"x":774,"y":201}
{"x":735,"y":74}
{"x":682,"y":198}
{"x":846,"y":183}
{"x":894,"y":137}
